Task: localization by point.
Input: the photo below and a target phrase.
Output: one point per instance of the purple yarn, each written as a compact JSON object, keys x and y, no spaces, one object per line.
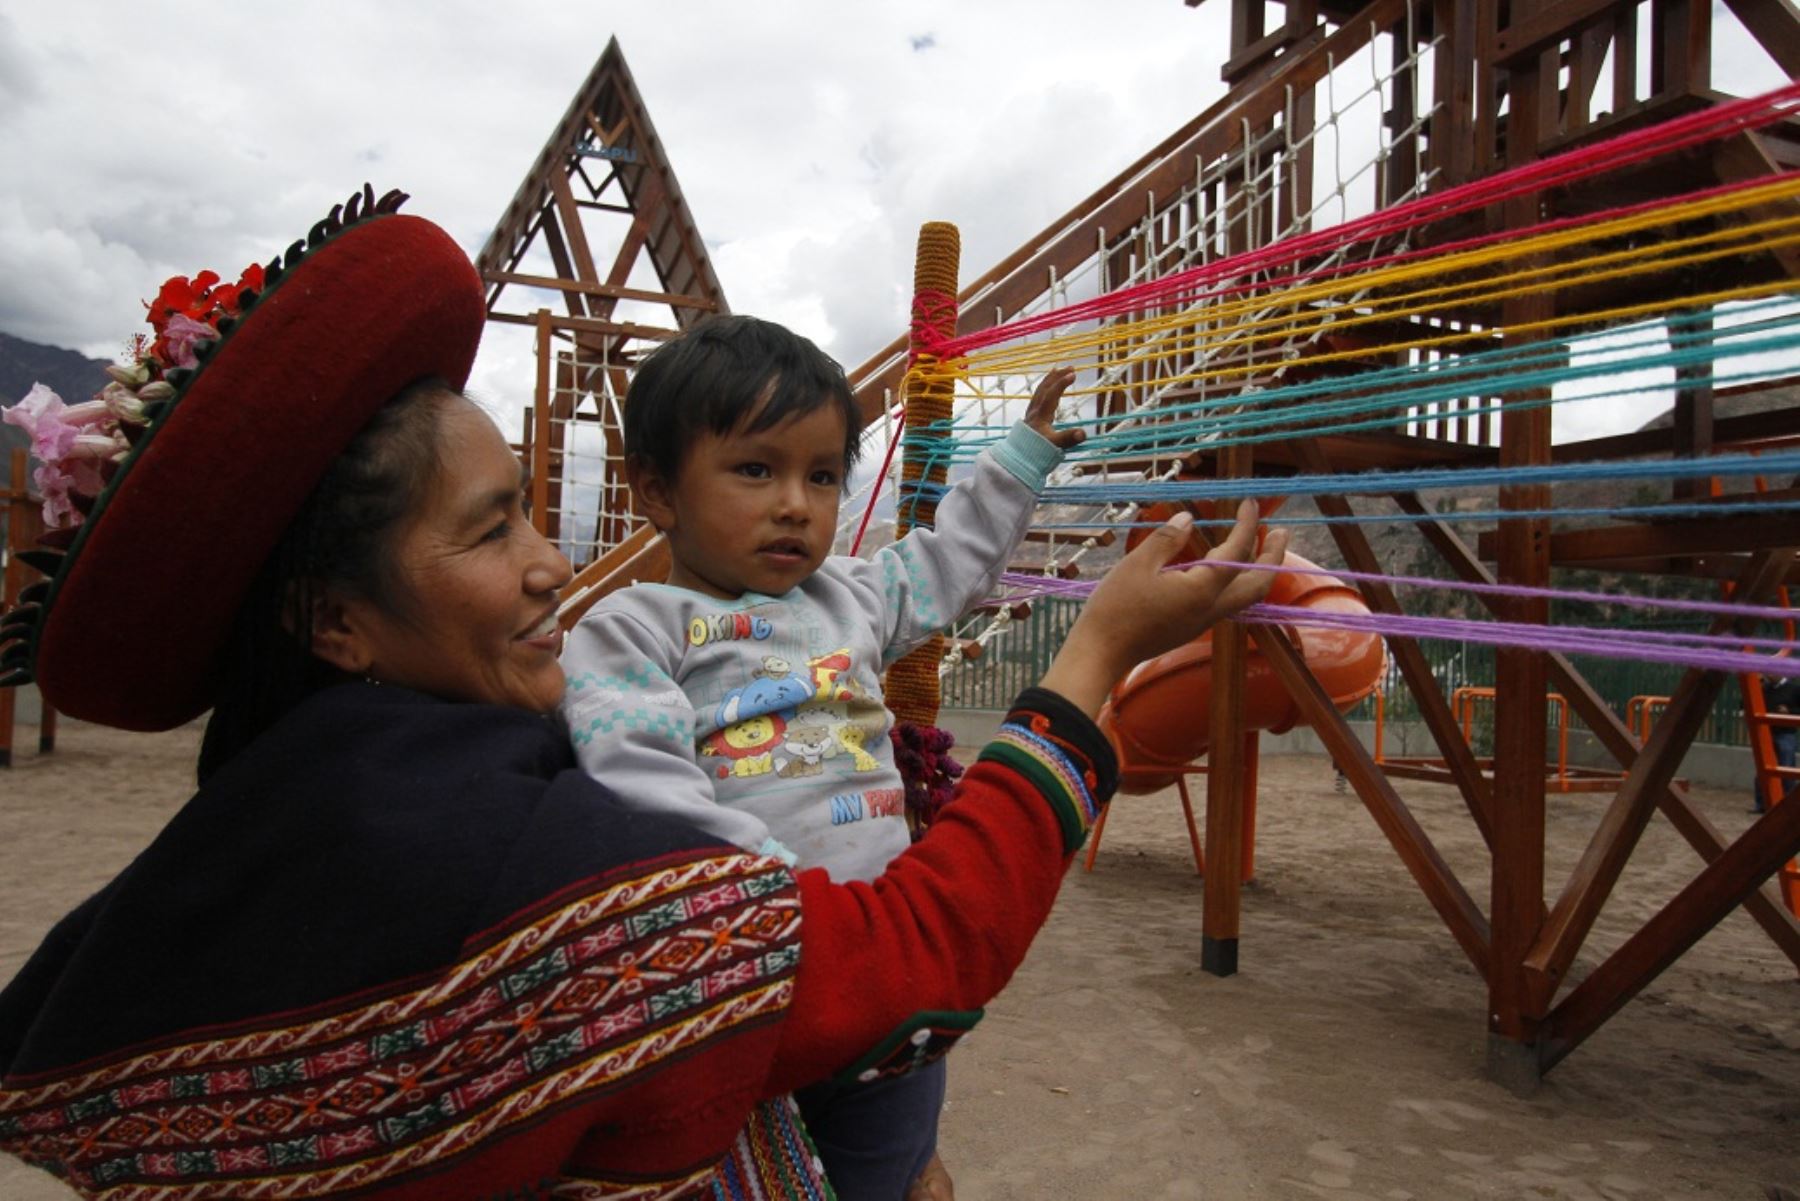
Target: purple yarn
{"x":1710,"y":652}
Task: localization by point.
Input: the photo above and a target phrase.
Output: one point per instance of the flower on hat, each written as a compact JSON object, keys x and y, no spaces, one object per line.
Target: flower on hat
{"x":71,"y":442}
{"x":181,"y":302}
{"x":178,"y":338}
{"x":57,"y":430}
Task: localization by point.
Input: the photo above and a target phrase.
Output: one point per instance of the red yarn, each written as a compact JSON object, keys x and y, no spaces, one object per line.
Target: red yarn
{"x":929,"y":774}
{"x":875,"y":487}
{"x":931,"y":312}
{"x":1683,"y":132}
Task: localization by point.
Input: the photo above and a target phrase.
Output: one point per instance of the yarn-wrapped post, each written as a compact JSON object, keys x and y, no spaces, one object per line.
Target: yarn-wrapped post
{"x":920,"y":749}
{"x":912,"y":682}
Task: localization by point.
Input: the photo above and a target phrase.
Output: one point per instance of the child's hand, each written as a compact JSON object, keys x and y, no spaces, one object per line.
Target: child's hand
{"x":1042,"y":410}
{"x":1140,"y":611}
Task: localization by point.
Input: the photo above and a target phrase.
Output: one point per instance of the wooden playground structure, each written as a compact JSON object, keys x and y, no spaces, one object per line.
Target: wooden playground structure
{"x":1464,"y":89}
{"x":1461,"y":90}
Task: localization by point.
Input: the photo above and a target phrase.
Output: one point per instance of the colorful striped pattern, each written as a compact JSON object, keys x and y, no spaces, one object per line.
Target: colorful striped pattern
{"x":772,"y":1159}
{"x":1056,"y":769}
{"x":576,"y":1004}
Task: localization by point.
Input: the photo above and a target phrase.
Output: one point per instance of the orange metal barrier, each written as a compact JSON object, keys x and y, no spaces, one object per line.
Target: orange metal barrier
{"x":1560,"y":776}
{"x":1640,"y":711}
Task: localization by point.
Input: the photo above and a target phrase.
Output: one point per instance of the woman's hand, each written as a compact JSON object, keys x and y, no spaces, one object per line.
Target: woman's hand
{"x":1041,"y":412}
{"x":1140,"y":611}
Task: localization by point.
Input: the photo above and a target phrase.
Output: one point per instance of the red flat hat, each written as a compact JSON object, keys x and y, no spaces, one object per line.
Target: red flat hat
{"x":129,"y":629}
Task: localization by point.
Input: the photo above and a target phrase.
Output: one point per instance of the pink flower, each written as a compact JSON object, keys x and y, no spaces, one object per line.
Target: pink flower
{"x":53,"y":485}
{"x":70,"y":442}
{"x":179,"y":337}
{"x":39,"y":403}
{"x":55,"y":481}
{"x":53,"y":425}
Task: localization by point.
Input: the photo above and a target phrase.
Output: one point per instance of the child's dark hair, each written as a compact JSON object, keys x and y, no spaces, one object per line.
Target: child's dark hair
{"x":342,"y":538}
{"x":729,"y":372}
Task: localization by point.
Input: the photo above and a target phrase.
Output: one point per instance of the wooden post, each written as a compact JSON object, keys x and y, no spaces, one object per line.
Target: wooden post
{"x":1516,"y":910}
{"x":1225,"y":779}
{"x":912,"y":682}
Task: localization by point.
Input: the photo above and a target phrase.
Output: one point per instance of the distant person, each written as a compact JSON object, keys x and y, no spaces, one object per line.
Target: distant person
{"x":744,"y":694}
{"x":398,"y":944}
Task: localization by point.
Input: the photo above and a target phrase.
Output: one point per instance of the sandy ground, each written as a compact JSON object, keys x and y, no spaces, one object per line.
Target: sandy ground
{"x":1343,"y":1061}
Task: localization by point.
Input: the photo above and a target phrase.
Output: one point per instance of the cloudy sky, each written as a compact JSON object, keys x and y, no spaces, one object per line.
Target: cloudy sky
{"x":149,"y":139}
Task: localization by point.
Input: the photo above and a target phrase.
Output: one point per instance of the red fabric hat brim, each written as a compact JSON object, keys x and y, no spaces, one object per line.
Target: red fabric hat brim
{"x":143,"y":609}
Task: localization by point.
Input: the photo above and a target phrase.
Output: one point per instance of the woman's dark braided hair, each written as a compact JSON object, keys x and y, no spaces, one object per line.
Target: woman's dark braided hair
{"x":340,"y":540}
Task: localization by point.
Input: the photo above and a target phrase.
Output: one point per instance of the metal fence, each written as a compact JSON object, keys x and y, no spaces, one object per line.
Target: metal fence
{"x":1013,"y":659}
{"x":1017,"y":657}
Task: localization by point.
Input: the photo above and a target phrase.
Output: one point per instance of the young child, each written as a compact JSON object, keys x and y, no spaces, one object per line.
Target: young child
{"x":744,"y":693}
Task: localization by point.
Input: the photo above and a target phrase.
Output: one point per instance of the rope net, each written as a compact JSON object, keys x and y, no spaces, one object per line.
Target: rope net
{"x":589,"y":511}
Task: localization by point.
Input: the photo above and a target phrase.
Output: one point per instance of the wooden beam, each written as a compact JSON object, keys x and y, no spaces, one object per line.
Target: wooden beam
{"x":1681,"y":46}
{"x":1594,"y":876}
{"x":1434,"y":876}
{"x":1259,"y":51}
{"x":561,"y":259}
{"x":1353,"y":544}
{"x":1529,"y":36}
{"x":1605,"y":724}
{"x":1102,"y":536}
{"x":673,"y":300}
{"x":1701,"y":567}
{"x":624,"y":329}
{"x":1720,"y":887}
{"x":581,"y":257}
{"x":643,"y":556}
{"x":1745,"y":157}
{"x":1727,"y":431}
{"x":1775,"y":24}
{"x":1765,"y":909}
{"x":1453,"y":82}
{"x":1688,"y":536}
{"x":629,"y":249}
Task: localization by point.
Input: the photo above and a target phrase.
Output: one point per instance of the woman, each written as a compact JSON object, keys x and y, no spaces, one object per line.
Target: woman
{"x":395,"y":945}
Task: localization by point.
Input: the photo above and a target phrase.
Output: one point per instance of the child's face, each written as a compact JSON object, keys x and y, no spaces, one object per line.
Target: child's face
{"x":751,"y":512}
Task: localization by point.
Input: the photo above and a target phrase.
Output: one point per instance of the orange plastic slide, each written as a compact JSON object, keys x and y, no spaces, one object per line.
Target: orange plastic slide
{"x":1157,"y":716}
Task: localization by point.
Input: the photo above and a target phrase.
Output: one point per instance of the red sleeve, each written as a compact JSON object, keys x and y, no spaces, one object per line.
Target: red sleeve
{"x":945,"y":927}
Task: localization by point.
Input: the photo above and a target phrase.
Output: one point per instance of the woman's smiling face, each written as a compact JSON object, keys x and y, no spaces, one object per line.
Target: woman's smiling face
{"x":476,"y":616}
